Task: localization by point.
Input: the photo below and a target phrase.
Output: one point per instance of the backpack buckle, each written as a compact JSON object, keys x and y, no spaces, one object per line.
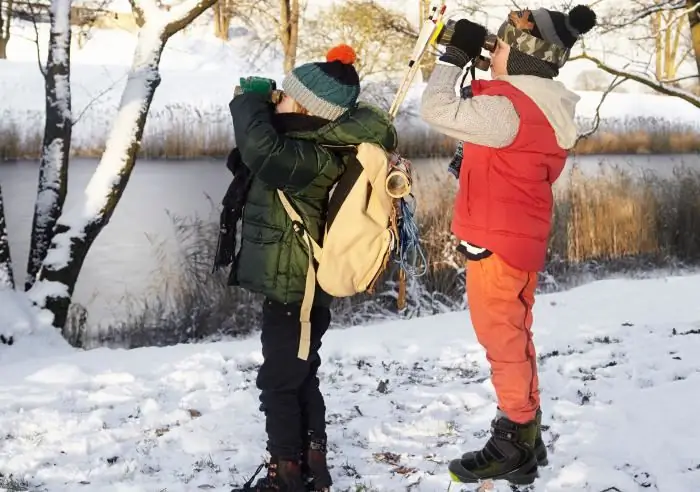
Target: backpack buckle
{"x":298,"y":227}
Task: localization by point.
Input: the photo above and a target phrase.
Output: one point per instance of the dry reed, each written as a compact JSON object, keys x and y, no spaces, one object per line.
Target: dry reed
{"x":182,"y":132}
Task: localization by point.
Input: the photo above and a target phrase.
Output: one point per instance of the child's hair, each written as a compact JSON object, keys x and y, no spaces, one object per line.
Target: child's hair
{"x":299,"y":108}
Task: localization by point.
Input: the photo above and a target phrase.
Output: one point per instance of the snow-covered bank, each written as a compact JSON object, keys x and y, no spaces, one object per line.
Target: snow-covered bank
{"x":190,"y":108}
{"x":25,"y":332}
{"x":619,"y":374}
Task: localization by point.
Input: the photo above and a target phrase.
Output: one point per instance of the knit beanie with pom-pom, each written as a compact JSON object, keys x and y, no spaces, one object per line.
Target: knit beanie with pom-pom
{"x":326,"y":89}
{"x":541,"y":40}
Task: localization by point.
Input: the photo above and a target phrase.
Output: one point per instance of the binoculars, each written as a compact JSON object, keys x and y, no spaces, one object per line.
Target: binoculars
{"x":481,"y":62}
{"x":260,"y":85}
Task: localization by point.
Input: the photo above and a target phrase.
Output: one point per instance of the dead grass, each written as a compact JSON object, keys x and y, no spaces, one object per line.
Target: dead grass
{"x":606,"y":217}
{"x":602,"y":224}
{"x":640,"y":136}
{"x":179,"y":132}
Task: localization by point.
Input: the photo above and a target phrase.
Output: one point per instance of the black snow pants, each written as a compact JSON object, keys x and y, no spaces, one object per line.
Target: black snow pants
{"x":290,"y":394}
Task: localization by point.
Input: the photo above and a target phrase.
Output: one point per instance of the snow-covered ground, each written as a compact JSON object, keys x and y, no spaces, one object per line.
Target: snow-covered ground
{"x":620,"y":381}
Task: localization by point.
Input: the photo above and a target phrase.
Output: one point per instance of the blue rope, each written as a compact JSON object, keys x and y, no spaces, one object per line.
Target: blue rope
{"x":410,"y":252}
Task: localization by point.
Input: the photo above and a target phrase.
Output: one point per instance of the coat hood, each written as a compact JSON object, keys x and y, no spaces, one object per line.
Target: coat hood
{"x":365,"y":123}
{"x":556,"y":102}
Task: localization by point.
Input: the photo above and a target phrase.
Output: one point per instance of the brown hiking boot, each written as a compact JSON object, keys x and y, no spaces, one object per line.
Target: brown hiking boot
{"x":282,"y":476}
{"x":315,"y":467}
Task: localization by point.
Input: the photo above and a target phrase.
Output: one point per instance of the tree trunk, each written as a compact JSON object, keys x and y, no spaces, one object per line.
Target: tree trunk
{"x":5,"y":21}
{"x":658,"y":45}
{"x":53,"y":168}
{"x":429,"y":59}
{"x":289,"y":32}
{"x":6,"y":278}
{"x":222,"y":19}
{"x":694,"y":20}
{"x":668,"y":32}
{"x":76,"y":231}
{"x":673,"y":65}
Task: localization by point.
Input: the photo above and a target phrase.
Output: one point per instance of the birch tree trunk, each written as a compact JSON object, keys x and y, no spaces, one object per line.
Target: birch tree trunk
{"x":77,"y":229}
{"x":6,"y":277}
{"x":53,"y":168}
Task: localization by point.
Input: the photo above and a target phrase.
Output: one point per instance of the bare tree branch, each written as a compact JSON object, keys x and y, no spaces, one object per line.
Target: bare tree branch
{"x":36,"y":40}
{"x":661,"y":87}
{"x":596,"y":118}
{"x":681,"y":15}
{"x":639,"y":14}
{"x":93,"y":101}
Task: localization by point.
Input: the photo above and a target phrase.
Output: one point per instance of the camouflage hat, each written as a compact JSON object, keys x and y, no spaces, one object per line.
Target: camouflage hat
{"x":544,"y":34}
{"x":531,"y":45}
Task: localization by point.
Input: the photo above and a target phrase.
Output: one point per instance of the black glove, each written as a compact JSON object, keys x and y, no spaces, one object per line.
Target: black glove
{"x":466,"y":43}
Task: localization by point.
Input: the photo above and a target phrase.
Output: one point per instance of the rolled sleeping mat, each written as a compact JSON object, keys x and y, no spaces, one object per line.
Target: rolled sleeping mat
{"x":398,"y":181}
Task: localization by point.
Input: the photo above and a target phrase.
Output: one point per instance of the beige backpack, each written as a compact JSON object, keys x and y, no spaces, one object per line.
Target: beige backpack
{"x":360,"y":233}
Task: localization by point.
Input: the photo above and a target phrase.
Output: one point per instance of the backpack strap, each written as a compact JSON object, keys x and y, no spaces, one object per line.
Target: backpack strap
{"x":314,"y":251}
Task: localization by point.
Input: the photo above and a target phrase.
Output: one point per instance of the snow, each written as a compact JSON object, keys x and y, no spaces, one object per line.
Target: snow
{"x":48,"y":198}
{"x":60,"y":10}
{"x":6,"y":275}
{"x":31,"y":334}
{"x":619,"y":377}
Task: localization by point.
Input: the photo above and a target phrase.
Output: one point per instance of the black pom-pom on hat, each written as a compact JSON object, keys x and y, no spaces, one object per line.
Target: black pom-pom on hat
{"x":582,"y":18}
{"x":563,"y":29}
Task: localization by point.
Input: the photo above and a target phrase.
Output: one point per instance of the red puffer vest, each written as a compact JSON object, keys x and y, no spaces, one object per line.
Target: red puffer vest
{"x":504,"y":202}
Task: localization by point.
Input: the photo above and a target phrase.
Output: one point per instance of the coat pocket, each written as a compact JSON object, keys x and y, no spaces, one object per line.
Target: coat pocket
{"x":259,"y":262}
{"x":262,"y":234}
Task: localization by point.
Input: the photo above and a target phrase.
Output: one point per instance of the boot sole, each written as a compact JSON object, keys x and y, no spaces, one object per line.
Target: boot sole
{"x":524,"y":475}
{"x":510,"y":478}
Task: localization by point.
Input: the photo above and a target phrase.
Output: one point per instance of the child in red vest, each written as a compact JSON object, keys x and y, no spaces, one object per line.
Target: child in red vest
{"x":515,"y":131}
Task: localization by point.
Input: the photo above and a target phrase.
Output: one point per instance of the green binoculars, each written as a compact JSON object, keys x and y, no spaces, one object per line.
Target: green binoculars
{"x":260,"y":85}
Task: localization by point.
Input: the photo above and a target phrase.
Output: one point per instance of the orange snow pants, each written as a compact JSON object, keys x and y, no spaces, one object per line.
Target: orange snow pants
{"x":500,"y":300}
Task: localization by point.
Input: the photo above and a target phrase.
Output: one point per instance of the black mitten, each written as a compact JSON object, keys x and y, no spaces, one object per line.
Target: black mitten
{"x":466,"y":43}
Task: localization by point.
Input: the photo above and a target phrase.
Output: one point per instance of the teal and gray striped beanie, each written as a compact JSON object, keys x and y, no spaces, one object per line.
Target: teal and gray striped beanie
{"x":326,"y":89}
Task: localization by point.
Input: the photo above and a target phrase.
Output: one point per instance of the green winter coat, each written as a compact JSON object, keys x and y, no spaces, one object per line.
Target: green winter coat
{"x":298,"y":156}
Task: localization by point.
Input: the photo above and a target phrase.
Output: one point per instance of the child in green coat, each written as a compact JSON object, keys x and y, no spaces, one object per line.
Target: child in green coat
{"x":295,"y":146}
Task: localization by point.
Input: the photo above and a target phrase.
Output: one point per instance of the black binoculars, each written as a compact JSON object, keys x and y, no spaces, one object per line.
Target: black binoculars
{"x":481,"y":62}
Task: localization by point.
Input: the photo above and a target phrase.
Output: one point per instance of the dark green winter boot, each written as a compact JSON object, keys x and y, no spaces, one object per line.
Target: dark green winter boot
{"x":508,"y":455}
{"x":540,"y":448}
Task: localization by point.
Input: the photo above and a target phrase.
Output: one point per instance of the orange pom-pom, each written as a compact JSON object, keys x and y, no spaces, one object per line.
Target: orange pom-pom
{"x":342,"y":53}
